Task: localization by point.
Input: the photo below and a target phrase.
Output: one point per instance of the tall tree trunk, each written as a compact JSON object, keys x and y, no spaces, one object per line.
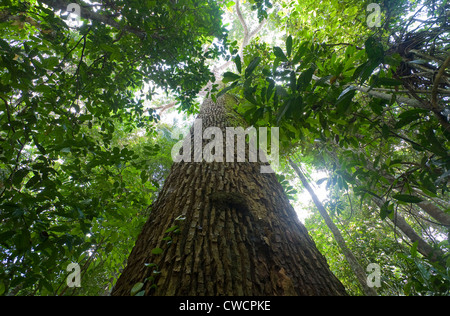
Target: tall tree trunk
{"x":351,"y":259}
{"x":224,"y":228}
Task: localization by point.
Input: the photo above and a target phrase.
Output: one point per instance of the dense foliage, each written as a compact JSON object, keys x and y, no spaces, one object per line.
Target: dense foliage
{"x":77,"y":176}
{"x":82,"y":154}
{"x":366,"y":107}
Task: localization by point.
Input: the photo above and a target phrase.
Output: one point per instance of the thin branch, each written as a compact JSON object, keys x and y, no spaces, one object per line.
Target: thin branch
{"x":77,"y":72}
{"x":381,"y":95}
{"x":345,"y":44}
{"x":406,"y":91}
{"x":351,"y":259}
{"x":247,"y":33}
{"x":246,"y":40}
{"x":437,"y":79}
{"x":257,"y":29}
{"x":423,"y":55}
{"x":244,"y":25}
{"x":165,"y":107}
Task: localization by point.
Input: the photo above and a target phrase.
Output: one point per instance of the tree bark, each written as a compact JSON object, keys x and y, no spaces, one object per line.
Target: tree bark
{"x":224,"y":228}
{"x":351,"y":259}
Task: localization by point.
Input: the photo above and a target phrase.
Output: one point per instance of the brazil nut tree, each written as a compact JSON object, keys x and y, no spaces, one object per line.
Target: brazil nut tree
{"x":222,"y":227}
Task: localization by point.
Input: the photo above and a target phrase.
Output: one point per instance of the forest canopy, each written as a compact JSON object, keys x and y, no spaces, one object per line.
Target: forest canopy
{"x":93,"y":100}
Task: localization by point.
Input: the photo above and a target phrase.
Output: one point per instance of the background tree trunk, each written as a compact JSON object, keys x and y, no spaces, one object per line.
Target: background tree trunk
{"x":351,"y":259}
{"x":224,"y":228}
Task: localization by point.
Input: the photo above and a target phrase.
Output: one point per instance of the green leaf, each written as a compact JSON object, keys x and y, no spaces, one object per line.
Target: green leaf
{"x":388,"y":82}
{"x":322,"y":82}
{"x":45,"y":283}
{"x":34,"y":180}
{"x":225,"y":90}
{"x":108,"y":48}
{"x":144,"y":176}
{"x":385,"y":130}
{"x":374,"y":49}
{"x":365,"y":70}
{"x":323,"y":121}
{"x":428,"y":186}
{"x":237,"y":62}
{"x":406,"y":120}
{"x":270,"y":89}
{"x":289,"y":45}
{"x":279,"y":53}
{"x":435,"y":144}
{"x":412,"y":113}
{"x":23,"y":241}
{"x":251,"y":66}
{"x":386,"y":210}
{"x":171,"y":229}
{"x":377,"y":106}
{"x":19,"y":175}
{"x":413,"y":249}
{"x":376,"y":161}
{"x":180,"y":218}
{"x":284,"y":110}
{"x":344,"y":100}
{"x":276,"y":62}
{"x":50,"y":62}
{"x":157,"y":251}
{"x":248,"y":94}
{"x":300,"y":52}
{"x":150,"y":265}
{"x":418,"y":62}
{"x":229,"y":76}
{"x":293,"y":81}
{"x":407,"y":288}
{"x":305,"y":78}
{"x":2,"y":287}
{"x":136,"y":288}
{"x":407,"y":198}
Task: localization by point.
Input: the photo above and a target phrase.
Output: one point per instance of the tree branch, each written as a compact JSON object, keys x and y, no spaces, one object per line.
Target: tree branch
{"x":351,"y":259}
{"x":241,"y":17}
{"x":411,"y":102}
{"x":437,"y":79}
{"x":345,"y":44}
{"x":165,"y":107}
{"x":381,"y":95}
{"x":247,"y":33}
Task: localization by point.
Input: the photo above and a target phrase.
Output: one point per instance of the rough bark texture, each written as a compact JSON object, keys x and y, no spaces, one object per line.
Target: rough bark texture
{"x":238,"y":234}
